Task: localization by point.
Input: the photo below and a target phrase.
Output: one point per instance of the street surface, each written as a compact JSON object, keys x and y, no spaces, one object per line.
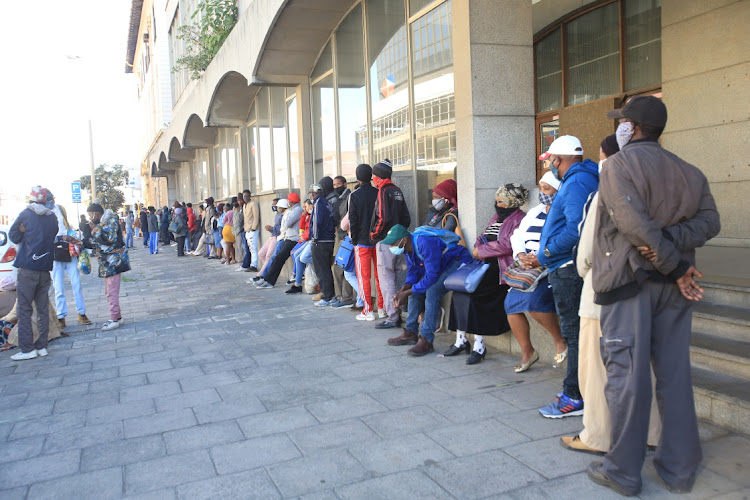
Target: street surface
{"x":213,"y":389}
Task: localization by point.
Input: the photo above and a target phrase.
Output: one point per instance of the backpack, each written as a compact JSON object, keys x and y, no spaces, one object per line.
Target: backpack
{"x":449,"y":238}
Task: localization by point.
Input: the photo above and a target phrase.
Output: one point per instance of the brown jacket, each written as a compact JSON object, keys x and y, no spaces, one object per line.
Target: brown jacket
{"x":251,"y":212}
{"x":648,"y":196}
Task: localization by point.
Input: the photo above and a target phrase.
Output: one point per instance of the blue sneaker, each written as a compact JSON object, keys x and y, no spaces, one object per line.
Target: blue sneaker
{"x":336,"y":303}
{"x":323,"y":303}
{"x":563,"y":406}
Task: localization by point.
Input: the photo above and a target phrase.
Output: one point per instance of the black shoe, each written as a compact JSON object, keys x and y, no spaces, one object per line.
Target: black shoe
{"x":294,"y":289}
{"x":475,"y":357}
{"x":597,"y":475}
{"x":355,"y":308}
{"x":453,"y":350}
{"x":253,"y":269}
{"x":388,"y":324}
{"x":257,"y":278}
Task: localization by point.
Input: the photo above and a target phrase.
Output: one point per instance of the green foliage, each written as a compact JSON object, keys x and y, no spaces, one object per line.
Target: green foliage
{"x":204,"y":38}
{"x":108,"y":179}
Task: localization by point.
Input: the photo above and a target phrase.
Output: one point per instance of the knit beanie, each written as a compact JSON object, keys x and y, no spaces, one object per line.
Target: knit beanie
{"x":95,"y":207}
{"x":364,"y":172}
{"x":326,"y":183}
{"x":383,"y":169}
{"x":609,"y":145}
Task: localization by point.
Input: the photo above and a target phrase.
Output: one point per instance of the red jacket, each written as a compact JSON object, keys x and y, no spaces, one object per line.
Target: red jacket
{"x":191,"y":219}
{"x":304,"y":226}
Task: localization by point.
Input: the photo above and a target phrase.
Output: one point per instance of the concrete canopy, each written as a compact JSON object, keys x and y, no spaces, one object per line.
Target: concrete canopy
{"x":196,"y":135}
{"x":230,"y":102}
{"x":165,"y":164}
{"x":177,"y":153}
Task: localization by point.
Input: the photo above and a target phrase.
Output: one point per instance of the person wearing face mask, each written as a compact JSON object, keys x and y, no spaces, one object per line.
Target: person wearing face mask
{"x":268,"y":250}
{"x":578,"y":179}
{"x":322,"y":237}
{"x":482,"y":312}
{"x":288,"y":238}
{"x":539,"y":303}
{"x":654,"y":210}
{"x":429,"y":261}
{"x":443,"y":212}
{"x":345,"y":295}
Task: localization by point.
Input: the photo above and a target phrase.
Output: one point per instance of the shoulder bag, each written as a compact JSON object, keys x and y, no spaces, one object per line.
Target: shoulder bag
{"x":458,"y":229}
{"x":345,"y":255}
{"x":466,"y":278}
{"x":524,"y":280}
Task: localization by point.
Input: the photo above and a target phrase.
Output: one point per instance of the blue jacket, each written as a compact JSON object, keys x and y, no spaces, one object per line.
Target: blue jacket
{"x":36,"y":243}
{"x":560,"y":231}
{"x":322,"y":228}
{"x":422,"y":274}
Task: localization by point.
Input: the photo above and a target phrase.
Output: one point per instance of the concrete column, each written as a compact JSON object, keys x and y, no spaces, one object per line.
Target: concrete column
{"x":305,"y":135}
{"x":494,"y":85}
{"x":171,"y":180}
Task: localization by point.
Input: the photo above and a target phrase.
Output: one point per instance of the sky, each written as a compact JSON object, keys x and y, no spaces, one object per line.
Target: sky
{"x":65,"y":64}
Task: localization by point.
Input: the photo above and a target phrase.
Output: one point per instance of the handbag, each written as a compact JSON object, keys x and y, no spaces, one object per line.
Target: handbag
{"x":345,"y":255}
{"x":458,"y":229}
{"x":175,"y":226}
{"x":61,"y":251}
{"x":524,"y":280}
{"x":466,"y":278}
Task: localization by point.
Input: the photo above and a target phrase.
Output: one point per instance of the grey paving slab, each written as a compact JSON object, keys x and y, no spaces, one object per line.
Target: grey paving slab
{"x":149,"y":391}
{"x":730,"y":457}
{"x":318,"y":472}
{"x":117,"y":384}
{"x":41,"y":468}
{"x":87,"y":401}
{"x":21,"y":449}
{"x":83,"y":437}
{"x":407,"y":421}
{"x":534,"y":425}
{"x":246,"y":485}
{"x":121,"y":411}
{"x":471,"y":408}
{"x":226,"y":410}
{"x":402,"y":453}
{"x":349,"y":407}
{"x":412,"y":395}
{"x":15,"y":493}
{"x":89,"y":376}
{"x":277,"y":421}
{"x":287,"y":398}
{"x":332,"y":436}
{"x":159,"y":422}
{"x":202,"y":436}
{"x":475,"y":437}
{"x":151,"y":366}
{"x":253,"y":453}
{"x":103,"y":484}
{"x":187,"y":400}
{"x":209,"y":381}
{"x":247,"y":389}
{"x":48,"y":425}
{"x":573,"y":487}
{"x":412,"y":484}
{"x":173,"y":470}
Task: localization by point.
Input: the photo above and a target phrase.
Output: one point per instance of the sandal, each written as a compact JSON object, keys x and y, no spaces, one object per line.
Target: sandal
{"x":525,"y":366}
{"x":574,"y":443}
{"x":560,"y":357}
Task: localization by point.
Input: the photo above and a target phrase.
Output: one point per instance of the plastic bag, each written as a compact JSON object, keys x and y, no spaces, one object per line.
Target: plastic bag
{"x":84,"y":263}
{"x":311,"y":281}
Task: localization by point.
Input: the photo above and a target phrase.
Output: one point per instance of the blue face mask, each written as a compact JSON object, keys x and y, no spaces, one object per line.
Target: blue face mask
{"x":397,"y":250}
{"x":273,"y":208}
{"x":546,"y":199}
{"x":554,"y":170}
{"x":50,"y":204}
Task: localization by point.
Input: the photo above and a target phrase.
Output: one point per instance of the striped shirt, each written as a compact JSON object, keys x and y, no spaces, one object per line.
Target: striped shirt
{"x":525,"y":238}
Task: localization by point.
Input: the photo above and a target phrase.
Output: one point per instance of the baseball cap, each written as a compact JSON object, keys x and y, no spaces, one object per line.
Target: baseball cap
{"x":645,"y":109}
{"x":40,"y":195}
{"x":293,"y":197}
{"x":394,"y":234}
{"x":283,"y":203}
{"x":566,"y":145}
{"x":315,"y":188}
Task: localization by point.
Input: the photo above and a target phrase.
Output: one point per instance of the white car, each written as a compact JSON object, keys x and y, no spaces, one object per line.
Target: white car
{"x":7,"y":254}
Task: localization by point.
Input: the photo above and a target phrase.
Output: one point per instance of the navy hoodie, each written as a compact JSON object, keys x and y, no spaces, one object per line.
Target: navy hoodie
{"x":36,"y":243}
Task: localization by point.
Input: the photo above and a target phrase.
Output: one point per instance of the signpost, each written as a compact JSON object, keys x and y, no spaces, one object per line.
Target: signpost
{"x":76,"y":191}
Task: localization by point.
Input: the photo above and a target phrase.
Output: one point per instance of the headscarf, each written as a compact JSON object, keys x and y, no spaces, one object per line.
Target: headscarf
{"x":549,"y":178}
{"x":448,"y":189}
{"x":513,"y":195}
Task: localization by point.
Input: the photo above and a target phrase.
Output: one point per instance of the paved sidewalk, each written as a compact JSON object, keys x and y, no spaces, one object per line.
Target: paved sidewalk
{"x":213,"y":389}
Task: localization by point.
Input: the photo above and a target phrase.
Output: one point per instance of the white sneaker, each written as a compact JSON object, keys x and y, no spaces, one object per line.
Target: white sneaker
{"x":110,"y":325}
{"x":370,"y":316}
{"x":24,"y":355}
{"x":264,"y":285}
{"x":239,"y":269}
{"x":42,"y":352}
{"x":260,"y":283}
{"x":382,"y":314}
{"x":120,"y":321}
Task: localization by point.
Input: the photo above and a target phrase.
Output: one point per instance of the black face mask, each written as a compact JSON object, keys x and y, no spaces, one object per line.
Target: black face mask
{"x":502,"y":213}
{"x":340,"y":190}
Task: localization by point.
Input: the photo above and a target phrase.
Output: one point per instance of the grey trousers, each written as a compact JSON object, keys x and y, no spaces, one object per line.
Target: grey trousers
{"x":651,"y":329}
{"x":389,"y":266}
{"x":343,"y":290}
{"x":32,"y":287}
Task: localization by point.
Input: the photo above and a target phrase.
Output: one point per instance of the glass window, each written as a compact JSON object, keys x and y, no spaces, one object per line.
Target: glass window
{"x":549,"y":72}
{"x":389,"y":94}
{"x":593,"y":55}
{"x":350,"y":74}
{"x":278,"y":124}
{"x":293,"y":132}
{"x":324,"y":128}
{"x":252,"y":156}
{"x":416,"y":5}
{"x":264,"y":133}
{"x":642,"y":43}
{"x":324,"y":64}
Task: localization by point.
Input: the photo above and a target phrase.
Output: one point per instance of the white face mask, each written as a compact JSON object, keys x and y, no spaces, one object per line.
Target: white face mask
{"x":624,"y":133}
{"x":438,"y":204}
{"x":601,"y":164}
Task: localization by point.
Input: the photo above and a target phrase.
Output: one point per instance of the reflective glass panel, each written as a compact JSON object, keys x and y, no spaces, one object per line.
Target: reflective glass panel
{"x":642,"y":43}
{"x":549,"y":72}
{"x":434,"y":103}
{"x":278,"y":124}
{"x":350,"y":68}
{"x":293,"y":132}
{"x":324,"y":128}
{"x":325,"y":63}
{"x":264,"y":133}
{"x":593,"y":55}
{"x":416,"y":5}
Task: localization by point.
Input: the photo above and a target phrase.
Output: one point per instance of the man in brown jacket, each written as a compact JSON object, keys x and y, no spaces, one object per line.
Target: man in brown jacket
{"x":654,"y":209}
{"x":251,"y":214}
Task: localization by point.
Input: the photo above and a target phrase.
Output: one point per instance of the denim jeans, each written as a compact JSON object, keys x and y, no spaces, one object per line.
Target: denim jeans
{"x":351,"y":278}
{"x":566,"y":288}
{"x":429,"y":302}
{"x":129,"y":238}
{"x":59,"y":270}
{"x":301,"y":265}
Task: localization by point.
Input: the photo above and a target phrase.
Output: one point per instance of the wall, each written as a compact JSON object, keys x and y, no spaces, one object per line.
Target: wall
{"x":589,"y":123}
{"x":705,"y":66}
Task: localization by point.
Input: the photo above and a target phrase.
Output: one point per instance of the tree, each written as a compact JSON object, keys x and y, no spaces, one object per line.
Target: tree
{"x":108,"y":180}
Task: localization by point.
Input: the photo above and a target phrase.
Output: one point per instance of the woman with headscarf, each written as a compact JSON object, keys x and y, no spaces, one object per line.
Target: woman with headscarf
{"x":482,"y":312}
{"x":164,"y":225}
{"x":227,"y":236}
{"x":182,"y":231}
{"x":539,"y":303}
{"x":443,"y":212}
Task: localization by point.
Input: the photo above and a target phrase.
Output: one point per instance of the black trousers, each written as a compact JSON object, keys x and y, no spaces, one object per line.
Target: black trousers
{"x":180,"y":246}
{"x":272,"y":273}
{"x":322,"y":258}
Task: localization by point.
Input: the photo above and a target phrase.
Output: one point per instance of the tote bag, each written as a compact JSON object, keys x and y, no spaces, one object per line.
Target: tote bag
{"x":466,"y":278}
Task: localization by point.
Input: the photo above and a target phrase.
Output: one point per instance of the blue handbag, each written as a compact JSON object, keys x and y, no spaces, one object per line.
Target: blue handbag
{"x":466,"y":278}
{"x":345,"y":255}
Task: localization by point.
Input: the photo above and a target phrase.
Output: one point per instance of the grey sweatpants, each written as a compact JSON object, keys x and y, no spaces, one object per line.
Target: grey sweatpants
{"x":651,"y":329}
{"x":32,"y":287}
{"x":389,"y":266}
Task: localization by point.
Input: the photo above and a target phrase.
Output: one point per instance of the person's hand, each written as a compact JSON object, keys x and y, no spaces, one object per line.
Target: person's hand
{"x":21,"y":228}
{"x":401,"y":298}
{"x":528,"y":260}
{"x":268,"y":228}
{"x":649,"y":254}
{"x":690,"y":288}
{"x":475,"y":253}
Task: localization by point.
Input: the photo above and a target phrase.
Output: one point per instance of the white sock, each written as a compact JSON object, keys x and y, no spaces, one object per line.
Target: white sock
{"x":460,"y":338}
{"x":478,"y":344}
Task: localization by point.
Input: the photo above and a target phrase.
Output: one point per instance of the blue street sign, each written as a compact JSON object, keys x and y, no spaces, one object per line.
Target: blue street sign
{"x":76,"y":190}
